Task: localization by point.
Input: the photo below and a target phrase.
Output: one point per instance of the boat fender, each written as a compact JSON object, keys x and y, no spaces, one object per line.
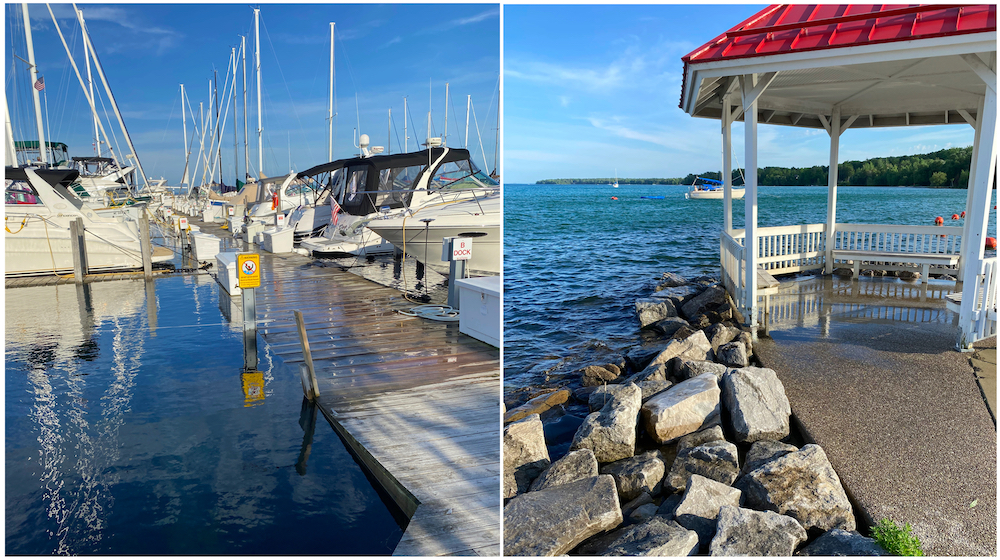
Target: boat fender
{"x":938,"y":221}
{"x":954,"y":216}
{"x":963,"y":213}
{"x":991,"y":243}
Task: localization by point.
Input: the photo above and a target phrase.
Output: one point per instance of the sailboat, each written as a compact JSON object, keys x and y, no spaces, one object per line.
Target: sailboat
{"x":615,"y":184}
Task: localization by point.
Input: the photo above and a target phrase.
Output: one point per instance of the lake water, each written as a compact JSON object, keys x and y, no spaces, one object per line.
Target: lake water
{"x":575,"y":260}
{"x":131,"y":429}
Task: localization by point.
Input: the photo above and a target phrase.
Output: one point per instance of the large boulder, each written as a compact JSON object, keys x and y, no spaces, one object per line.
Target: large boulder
{"x":671,"y":280}
{"x":693,"y":368}
{"x":699,"y":508}
{"x":763,"y":451}
{"x":551,"y":522}
{"x":803,"y":485}
{"x":747,"y":341}
{"x":636,"y":475}
{"x":685,"y":408}
{"x":717,"y":460}
{"x":603,"y":395}
{"x":744,"y":532}
{"x":652,"y":310}
{"x":670,"y":325}
{"x":719,"y":334}
{"x":654,"y":537}
{"x":575,"y":465}
{"x":838,"y":542}
{"x":537,"y":405}
{"x":611,"y":432}
{"x":524,"y":454}
{"x":598,"y":375}
{"x":640,"y":356}
{"x":642,"y":513}
{"x":693,"y":347}
{"x":732,"y":354}
{"x":713,"y":297}
{"x":652,"y":388}
{"x":757,"y":405}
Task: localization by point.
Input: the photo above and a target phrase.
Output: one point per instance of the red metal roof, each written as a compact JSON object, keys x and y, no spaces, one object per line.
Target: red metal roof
{"x":788,"y":28}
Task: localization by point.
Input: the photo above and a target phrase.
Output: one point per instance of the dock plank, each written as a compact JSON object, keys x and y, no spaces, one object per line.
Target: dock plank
{"x":415,"y":398}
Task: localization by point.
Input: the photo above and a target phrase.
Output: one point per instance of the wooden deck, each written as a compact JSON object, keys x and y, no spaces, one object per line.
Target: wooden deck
{"x":417,"y":401}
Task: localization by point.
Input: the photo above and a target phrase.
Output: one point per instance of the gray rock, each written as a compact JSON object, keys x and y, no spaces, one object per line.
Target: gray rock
{"x":803,"y":485}
{"x":654,"y":372}
{"x":669,"y":506}
{"x":747,"y":341}
{"x":683,"y":332}
{"x":717,"y":460}
{"x":694,"y":347}
{"x":732,"y":354}
{"x":652,"y":310}
{"x":552,"y":522}
{"x":670,"y":325}
{"x":693,"y":368}
{"x":719,"y":334}
{"x":655,"y":537}
{"x":575,"y":465}
{"x":524,"y":454}
{"x":699,"y":508}
{"x":641,"y":500}
{"x":602,"y":395}
{"x":652,"y":388}
{"x":598,"y":375}
{"x":611,"y":432}
{"x":763,"y":451}
{"x":713,"y":295}
{"x":671,"y":280}
{"x":537,"y":405}
{"x":642,"y":513}
{"x":744,"y":532}
{"x":698,"y":438}
{"x":640,"y":356}
{"x":700,"y":321}
{"x":687,"y":407}
{"x":757,"y":405}
{"x":636,"y":475}
{"x":838,"y":542}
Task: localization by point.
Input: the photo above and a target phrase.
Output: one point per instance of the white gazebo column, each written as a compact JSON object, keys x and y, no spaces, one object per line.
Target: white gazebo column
{"x":831,"y":197}
{"x":984,"y":169}
{"x":727,"y":163}
{"x":751,"y":243}
{"x":972,"y":181}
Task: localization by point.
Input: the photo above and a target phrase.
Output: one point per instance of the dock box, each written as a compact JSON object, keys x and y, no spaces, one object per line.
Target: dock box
{"x":276,"y":240}
{"x":479,"y":301}
{"x":205,"y":246}
{"x":236,"y":226}
{"x":251,"y":230}
{"x":210,"y":213}
{"x":225,"y":269}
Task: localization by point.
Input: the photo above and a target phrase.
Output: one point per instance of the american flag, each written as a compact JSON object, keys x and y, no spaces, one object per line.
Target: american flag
{"x":334,"y":211}
{"x":40,"y":84}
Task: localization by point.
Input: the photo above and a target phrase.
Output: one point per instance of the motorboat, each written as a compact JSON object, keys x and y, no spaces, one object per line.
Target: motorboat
{"x":376,"y":190}
{"x":710,"y":189}
{"x":39,"y":208}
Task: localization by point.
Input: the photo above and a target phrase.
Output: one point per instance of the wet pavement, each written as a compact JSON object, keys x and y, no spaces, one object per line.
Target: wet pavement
{"x":872,"y":376}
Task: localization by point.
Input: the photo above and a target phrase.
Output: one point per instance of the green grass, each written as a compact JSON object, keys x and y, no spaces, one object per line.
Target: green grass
{"x":897,"y":540}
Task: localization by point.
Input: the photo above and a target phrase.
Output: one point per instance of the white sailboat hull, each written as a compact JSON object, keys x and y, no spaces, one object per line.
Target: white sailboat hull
{"x":714,"y":195}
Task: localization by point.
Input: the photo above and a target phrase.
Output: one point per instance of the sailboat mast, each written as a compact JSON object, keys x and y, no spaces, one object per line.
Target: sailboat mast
{"x":11,"y":154}
{"x":406,"y":134}
{"x":90,"y":84}
{"x":187,"y":155}
{"x":444,"y":139}
{"x":388,"y":134}
{"x":43,"y":151}
{"x":246,"y":145}
{"x":236,"y":142}
{"x":260,"y":125}
{"x":329,"y":112}
{"x":468,"y":106}
{"x":218,"y":123}
{"x":496,"y":140}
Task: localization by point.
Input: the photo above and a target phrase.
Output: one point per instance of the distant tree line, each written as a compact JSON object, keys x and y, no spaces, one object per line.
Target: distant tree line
{"x":944,"y":168}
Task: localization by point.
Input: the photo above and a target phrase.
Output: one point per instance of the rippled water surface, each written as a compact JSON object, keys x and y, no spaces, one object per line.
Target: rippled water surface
{"x":131,"y":429}
{"x":575,"y":260}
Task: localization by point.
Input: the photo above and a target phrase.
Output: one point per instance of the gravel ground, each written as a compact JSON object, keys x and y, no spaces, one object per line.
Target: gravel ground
{"x":902,"y":418}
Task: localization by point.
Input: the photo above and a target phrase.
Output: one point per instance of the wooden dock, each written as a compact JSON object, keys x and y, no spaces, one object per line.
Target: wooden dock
{"x":417,"y":401}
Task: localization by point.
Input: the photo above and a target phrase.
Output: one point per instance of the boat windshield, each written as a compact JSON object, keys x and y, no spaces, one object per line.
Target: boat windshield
{"x":395,"y":184}
{"x":20,"y":192}
{"x":459,"y":175}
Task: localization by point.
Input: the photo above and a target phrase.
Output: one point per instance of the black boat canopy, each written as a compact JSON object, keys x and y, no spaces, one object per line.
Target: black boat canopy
{"x":51,"y":176}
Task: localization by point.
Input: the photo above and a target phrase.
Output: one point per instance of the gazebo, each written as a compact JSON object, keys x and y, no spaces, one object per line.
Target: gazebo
{"x":839,"y":67}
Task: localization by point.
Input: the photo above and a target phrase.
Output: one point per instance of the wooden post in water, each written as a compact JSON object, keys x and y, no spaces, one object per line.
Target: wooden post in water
{"x":146,"y":245}
{"x":79,"y":247}
{"x":313,"y":391}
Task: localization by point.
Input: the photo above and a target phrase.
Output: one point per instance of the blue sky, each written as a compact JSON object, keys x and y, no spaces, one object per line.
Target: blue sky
{"x":592,"y":88}
{"x":383,"y":53}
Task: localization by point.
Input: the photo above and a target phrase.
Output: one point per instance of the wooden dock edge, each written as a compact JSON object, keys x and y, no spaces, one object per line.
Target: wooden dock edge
{"x":404,"y":500}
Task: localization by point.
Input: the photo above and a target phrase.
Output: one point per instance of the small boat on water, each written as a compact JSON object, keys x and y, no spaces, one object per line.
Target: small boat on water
{"x":709,"y":189}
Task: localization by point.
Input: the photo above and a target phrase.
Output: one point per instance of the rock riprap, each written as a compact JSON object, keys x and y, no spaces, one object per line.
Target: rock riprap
{"x":692,"y":347}
{"x":687,"y":407}
{"x":803,"y":485}
{"x":744,"y":532}
{"x":636,"y":475}
{"x":699,"y":507}
{"x":611,"y":432}
{"x":524,"y":454}
{"x":537,"y":405}
{"x":654,"y":537}
{"x":838,"y":542}
{"x":553,"y":521}
{"x":757,"y":405}
{"x":654,"y":309}
{"x":717,"y":460}
{"x":575,"y":465}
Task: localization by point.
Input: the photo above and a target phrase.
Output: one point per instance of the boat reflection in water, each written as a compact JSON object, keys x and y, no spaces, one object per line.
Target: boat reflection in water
{"x":132,"y":428}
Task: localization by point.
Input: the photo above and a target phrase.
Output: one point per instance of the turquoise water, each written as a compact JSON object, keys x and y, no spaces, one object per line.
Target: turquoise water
{"x":132,"y":429}
{"x":575,"y":260}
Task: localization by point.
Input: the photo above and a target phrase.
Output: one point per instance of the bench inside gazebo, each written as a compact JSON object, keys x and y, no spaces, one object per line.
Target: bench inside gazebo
{"x":840,"y":67}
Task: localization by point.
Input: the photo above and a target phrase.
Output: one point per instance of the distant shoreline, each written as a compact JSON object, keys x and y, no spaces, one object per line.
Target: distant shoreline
{"x":652,"y":183}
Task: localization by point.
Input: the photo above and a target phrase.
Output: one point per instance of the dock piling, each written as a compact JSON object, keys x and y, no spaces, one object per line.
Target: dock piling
{"x":79,"y":247}
{"x":309,"y":384}
{"x":146,"y":245}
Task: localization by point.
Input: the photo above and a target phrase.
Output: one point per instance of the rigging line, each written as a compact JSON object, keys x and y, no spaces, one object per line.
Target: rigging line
{"x":458,"y":127}
{"x":479,"y":135}
{"x":171,"y":117}
{"x":284,"y":81}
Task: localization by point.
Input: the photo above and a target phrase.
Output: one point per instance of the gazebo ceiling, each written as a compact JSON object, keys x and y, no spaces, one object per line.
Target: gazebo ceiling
{"x":913,"y":68}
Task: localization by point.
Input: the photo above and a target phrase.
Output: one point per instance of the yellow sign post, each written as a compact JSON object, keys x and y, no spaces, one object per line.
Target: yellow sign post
{"x":248,"y":274}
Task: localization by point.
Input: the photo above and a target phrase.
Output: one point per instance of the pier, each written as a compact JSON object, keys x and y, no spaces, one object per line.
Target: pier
{"x":416,"y":401}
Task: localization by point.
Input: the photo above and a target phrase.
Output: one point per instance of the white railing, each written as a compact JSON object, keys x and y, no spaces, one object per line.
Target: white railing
{"x":787,"y":249}
{"x":731,"y":252}
{"x":984,"y":311}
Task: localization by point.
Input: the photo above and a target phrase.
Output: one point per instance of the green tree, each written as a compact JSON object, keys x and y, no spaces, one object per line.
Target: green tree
{"x":939,"y":179}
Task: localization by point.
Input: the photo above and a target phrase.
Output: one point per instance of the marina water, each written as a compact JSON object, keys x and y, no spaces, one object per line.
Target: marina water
{"x":575,"y":260}
{"x":132,"y":429}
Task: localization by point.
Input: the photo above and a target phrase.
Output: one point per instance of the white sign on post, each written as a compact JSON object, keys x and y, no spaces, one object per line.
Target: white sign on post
{"x":461,"y":249}
{"x":231,"y":210}
{"x":279,"y":220}
{"x":183,"y":223}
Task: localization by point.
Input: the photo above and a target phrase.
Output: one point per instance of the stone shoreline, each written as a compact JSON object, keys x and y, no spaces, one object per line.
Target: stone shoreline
{"x":676,"y":447}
